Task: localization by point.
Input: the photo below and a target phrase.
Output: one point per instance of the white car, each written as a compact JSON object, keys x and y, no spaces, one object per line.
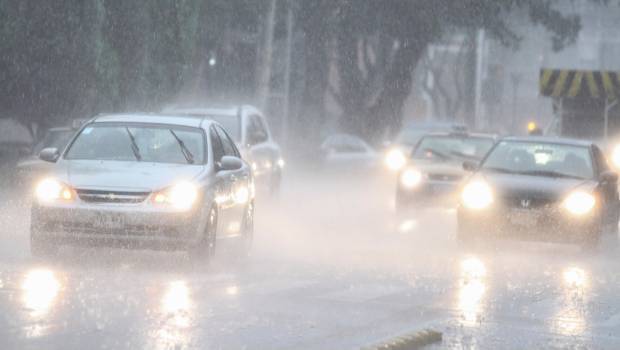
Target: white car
{"x":249,"y":129}
{"x":349,"y":151}
{"x":145,"y":181}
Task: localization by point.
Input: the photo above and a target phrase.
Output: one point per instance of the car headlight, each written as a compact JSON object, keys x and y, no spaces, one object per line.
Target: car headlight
{"x":181,"y":196}
{"x":615,"y":157}
{"x":410,"y":178}
{"x":395,"y":159}
{"x":49,"y":190}
{"x":477,"y":195}
{"x":579,"y":203}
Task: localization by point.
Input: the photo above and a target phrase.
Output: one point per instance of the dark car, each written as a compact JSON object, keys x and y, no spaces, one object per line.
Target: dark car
{"x":434,"y":170}
{"x":541,"y":189}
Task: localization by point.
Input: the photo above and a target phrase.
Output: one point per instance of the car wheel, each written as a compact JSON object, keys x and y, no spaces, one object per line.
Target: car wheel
{"x":204,"y":251}
{"x":248,"y":232}
{"x":42,"y":247}
{"x":592,"y":240}
{"x":274,"y":183}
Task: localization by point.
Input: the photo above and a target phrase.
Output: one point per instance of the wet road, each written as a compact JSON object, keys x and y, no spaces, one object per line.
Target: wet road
{"x":331,"y":269}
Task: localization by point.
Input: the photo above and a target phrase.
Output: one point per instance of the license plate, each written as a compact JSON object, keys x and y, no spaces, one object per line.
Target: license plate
{"x":109,"y":222}
{"x":523,"y":218}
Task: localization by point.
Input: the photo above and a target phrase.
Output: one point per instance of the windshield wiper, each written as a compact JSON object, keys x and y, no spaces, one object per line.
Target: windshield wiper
{"x":134,"y":145}
{"x":463,"y":155}
{"x":189,"y":157}
{"x":550,"y":173}
{"x":437,"y":153}
{"x":500,"y":170}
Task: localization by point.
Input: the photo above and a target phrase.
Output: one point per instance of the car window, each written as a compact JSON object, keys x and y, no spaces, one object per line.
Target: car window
{"x":231,"y":124}
{"x":216,"y":144}
{"x":600,"y":159}
{"x":135,"y":142}
{"x":257,"y":133}
{"x":452,"y":147}
{"x":536,"y":158}
{"x":227,"y":143}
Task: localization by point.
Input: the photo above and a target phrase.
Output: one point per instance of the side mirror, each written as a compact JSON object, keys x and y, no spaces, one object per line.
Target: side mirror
{"x":50,"y":154}
{"x":470,"y":166}
{"x":609,"y":177}
{"x":229,"y":163}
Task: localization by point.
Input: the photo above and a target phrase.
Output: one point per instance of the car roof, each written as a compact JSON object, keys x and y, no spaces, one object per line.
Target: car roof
{"x":223,"y":111}
{"x":434,"y":125}
{"x":548,"y":139}
{"x":461,"y":134}
{"x":172,"y":119}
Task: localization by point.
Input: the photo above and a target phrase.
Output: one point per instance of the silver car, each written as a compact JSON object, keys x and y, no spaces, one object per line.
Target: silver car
{"x":249,"y":129}
{"x":145,"y":181}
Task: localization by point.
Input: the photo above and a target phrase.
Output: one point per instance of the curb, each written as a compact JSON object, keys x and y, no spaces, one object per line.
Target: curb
{"x":412,"y":341}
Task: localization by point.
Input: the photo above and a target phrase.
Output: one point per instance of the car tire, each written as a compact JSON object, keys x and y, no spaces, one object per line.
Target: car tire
{"x":248,"y":232}
{"x":275,"y":183}
{"x":592,"y":241}
{"x":42,"y":247}
{"x":202,"y":252}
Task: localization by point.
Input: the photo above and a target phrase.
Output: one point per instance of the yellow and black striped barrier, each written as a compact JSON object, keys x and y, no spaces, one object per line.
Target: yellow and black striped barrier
{"x":579,"y":83}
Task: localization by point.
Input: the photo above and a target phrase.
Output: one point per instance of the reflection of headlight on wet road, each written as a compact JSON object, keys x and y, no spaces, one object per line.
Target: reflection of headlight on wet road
{"x":574,"y":277}
{"x":579,"y":203}
{"x":176,"y":297}
{"x":395,"y":159}
{"x":471,"y":290}
{"x":40,"y":289}
{"x":477,"y":195}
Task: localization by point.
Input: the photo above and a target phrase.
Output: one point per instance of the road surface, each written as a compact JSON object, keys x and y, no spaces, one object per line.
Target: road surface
{"x":332,"y":268}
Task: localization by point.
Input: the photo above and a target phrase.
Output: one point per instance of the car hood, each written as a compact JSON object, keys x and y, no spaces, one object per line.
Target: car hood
{"x":515,"y":185}
{"x":143,"y":176}
{"x":443,"y":168}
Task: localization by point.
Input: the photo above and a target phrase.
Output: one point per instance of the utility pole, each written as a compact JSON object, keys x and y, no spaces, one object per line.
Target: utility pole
{"x":287,"y":74}
{"x":266,"y":52}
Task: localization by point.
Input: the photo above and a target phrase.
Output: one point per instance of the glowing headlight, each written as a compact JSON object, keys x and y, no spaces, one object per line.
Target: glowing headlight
{"x":281,"y":163}
{"x":410,"y":178}
{"x":181,"y":196}
{"x":579,"y":203}
{"x":395,"y":159}
{"x":50,"y":190}
{"x":477,"y":195}
{"x":615,"y":156}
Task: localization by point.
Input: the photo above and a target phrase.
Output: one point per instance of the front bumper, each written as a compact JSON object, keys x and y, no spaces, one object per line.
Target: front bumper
{"x":550,"y":224}
{"x":428,"y":193}
{"x":130,"y":226}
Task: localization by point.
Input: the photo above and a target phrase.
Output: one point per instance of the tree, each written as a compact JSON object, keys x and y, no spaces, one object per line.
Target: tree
{"x":372,"y":92}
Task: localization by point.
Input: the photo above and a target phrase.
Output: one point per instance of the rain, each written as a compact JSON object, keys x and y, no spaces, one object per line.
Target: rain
{"x":309,"y":174}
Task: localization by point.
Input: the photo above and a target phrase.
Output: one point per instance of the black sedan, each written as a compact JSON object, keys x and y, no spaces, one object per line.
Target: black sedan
{"x":541,"y":189}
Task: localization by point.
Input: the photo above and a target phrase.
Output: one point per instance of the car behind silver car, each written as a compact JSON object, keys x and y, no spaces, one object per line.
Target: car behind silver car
{"x":145,"y":181}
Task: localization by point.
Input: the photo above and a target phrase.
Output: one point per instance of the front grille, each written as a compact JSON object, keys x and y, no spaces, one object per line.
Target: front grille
{"x":101,"y":196}
{"x":528,"y":202}
{"x":126,"y":230}
{"x":445,"y":177}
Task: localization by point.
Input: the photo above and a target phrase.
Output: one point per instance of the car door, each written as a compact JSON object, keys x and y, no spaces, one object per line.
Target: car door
{"x":239,"y":185}
{"x":609,"y":190}
{"x":224,"y":183}
{"x":262,"y":152}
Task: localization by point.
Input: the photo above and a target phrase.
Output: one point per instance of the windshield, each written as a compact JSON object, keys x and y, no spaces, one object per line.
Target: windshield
{"x":442,"y":148}
{"x":130,"y":142}
{"x":544,"y":159}
{"x":230,"y":123}
{"x":55,"y":139}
